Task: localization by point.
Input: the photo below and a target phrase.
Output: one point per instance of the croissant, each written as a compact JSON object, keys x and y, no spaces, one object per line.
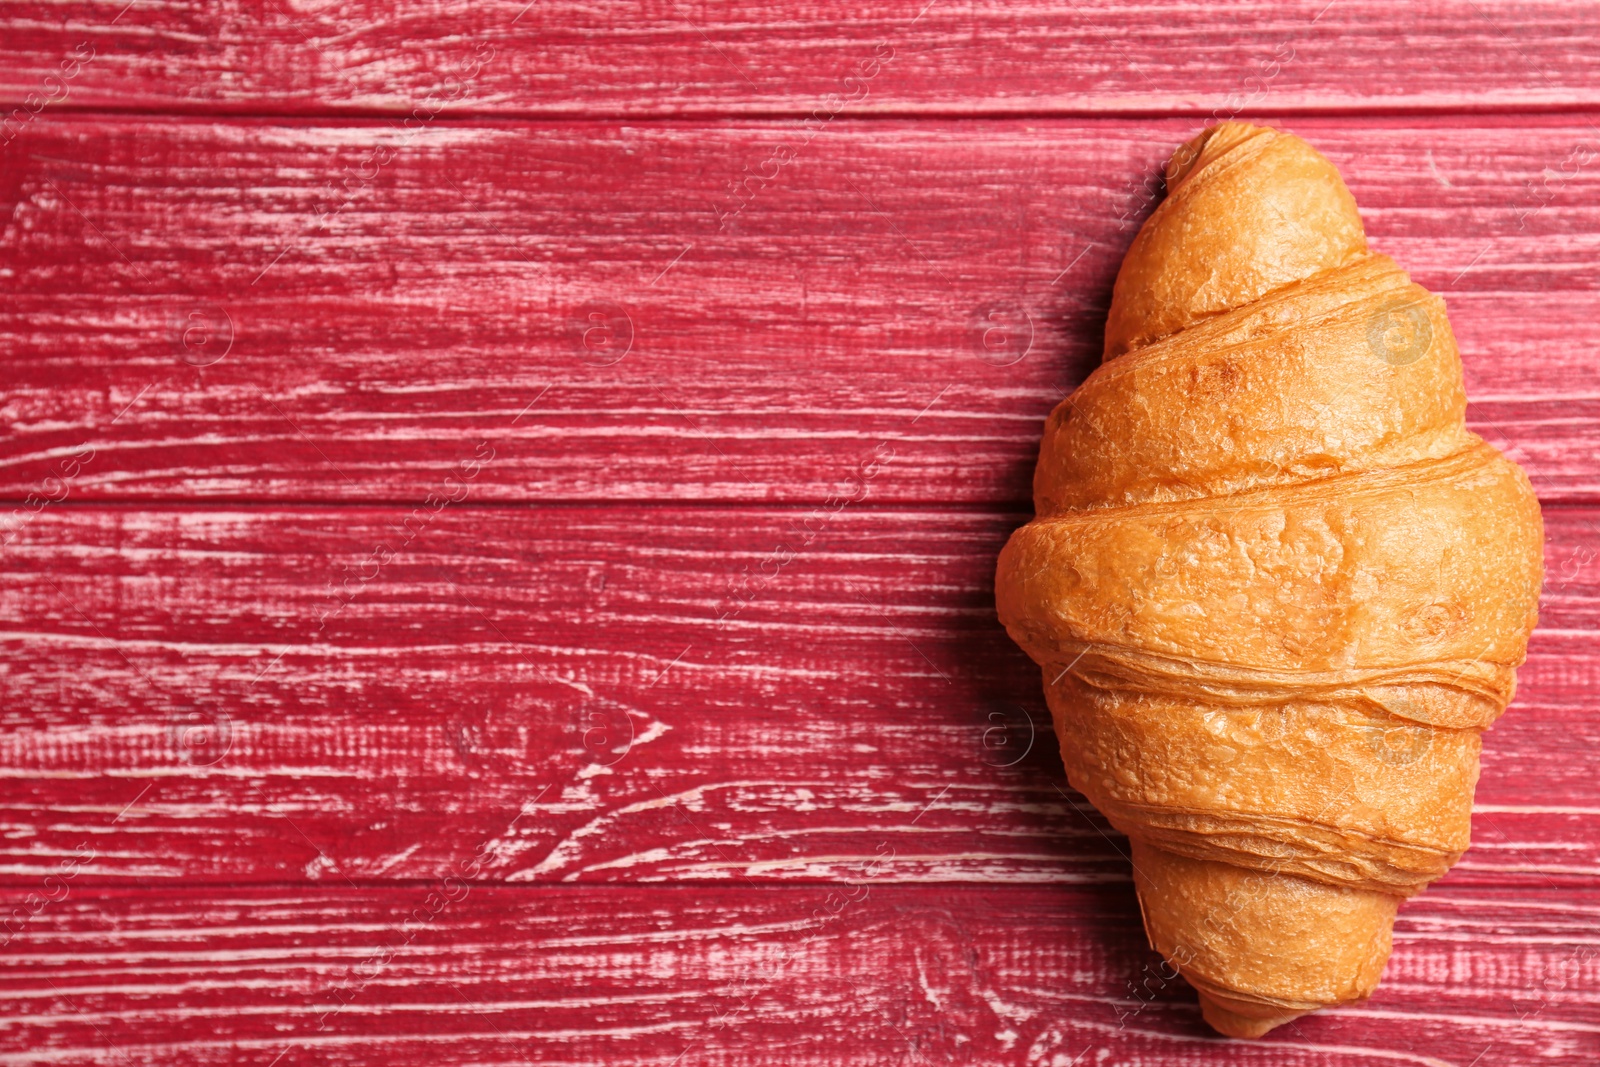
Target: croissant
{"x":1276,"y":588}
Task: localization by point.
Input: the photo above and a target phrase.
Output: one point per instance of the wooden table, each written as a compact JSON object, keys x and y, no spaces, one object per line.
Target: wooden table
{"x":503,"y":499}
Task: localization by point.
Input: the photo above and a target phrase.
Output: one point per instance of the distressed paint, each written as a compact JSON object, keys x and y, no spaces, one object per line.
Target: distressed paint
{"x":537,"y":469}
{"x":862,"y":973}
{"x":250,"y":317}
{"x":652,"y":689}
{"x":653,"y":57}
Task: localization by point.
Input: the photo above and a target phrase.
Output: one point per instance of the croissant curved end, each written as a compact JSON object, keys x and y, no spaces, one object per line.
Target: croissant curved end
{"x":1276,"y":588}
{"x":1251,"y":209}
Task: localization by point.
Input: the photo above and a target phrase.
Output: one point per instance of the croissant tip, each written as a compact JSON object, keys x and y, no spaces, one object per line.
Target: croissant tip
{"x":1233,"y":1024}
{"x":1209,"y":143}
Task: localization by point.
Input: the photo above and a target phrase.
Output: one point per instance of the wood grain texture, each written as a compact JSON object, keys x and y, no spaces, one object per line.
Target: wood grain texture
{"x":859,"y":973}
{"x":232,"y":311}
{"x":663,"y":58}
{"x":458,"y":440}
{"x":606,"y":694}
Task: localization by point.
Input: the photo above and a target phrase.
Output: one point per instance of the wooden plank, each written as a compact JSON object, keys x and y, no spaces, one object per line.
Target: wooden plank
{"x":607,"y":694}
{"x":852,"y":973}
{"x":181,"y":322}
{"x":905,"y":56}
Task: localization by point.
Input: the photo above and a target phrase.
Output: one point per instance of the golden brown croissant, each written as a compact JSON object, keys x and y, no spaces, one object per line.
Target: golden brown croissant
{"x":1276,"y":587}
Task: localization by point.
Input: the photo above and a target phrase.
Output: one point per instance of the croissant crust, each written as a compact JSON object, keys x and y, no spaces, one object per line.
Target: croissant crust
{"x":1276,"y":588}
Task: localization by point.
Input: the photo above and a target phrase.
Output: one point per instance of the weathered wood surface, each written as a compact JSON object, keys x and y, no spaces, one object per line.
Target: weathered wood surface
{"x":231,"y":310}
{"x":849,"y":973}
{"x":458,"y":440}
{"x":907,"y":56}
{"x":610,"y":693}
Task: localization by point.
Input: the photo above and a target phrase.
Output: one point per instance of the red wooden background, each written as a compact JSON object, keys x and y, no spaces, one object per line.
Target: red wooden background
{"x":500,"y":502}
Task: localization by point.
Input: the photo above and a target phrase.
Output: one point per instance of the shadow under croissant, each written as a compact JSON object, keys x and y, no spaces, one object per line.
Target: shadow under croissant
{"x":1082,"y":330}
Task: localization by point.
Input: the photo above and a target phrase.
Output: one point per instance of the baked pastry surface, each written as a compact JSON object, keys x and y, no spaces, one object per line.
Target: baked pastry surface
{"x":1276,"y":588}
